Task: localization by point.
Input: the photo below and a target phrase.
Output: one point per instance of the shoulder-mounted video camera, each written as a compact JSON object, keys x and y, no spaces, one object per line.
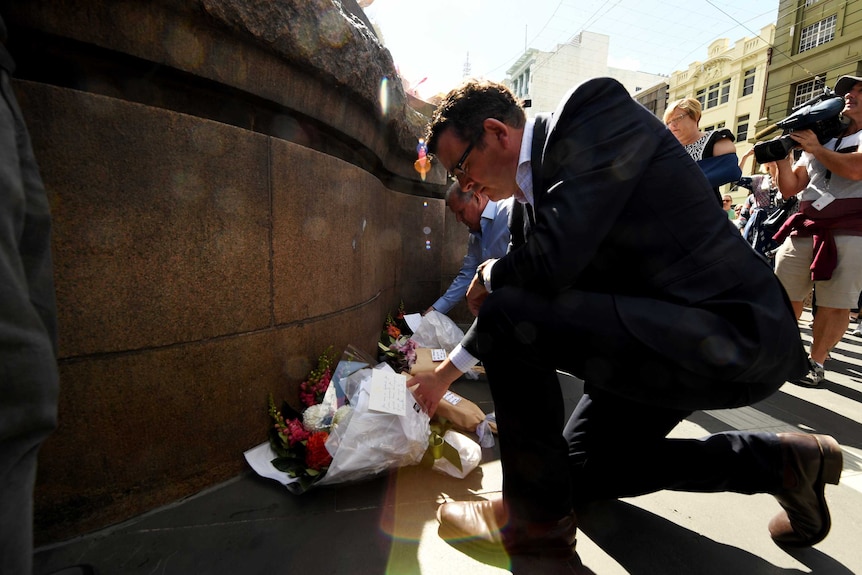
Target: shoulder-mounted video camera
{"x":821,"y":115}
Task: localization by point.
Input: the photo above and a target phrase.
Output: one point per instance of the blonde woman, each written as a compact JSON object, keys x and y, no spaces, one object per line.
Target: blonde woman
{"x":714,"y":151}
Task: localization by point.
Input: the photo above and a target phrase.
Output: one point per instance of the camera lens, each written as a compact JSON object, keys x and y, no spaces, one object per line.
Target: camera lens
{"x":773,"y":150}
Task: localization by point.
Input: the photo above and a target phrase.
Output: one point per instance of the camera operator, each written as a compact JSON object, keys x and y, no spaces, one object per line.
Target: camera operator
{"x":822,"y":243}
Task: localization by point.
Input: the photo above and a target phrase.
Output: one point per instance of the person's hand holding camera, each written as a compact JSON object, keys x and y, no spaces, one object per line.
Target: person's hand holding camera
{"x":807,"y":140}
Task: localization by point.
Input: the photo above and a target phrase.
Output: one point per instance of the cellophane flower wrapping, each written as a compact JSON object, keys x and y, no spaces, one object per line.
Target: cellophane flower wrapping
{"x":437,"y":330}
{"x":469,"y":452}
{"x":372,"y":442}
{"x":361,"y":442}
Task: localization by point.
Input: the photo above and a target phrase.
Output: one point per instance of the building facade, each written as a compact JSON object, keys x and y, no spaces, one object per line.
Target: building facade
{"x":816,"y":42}
{"x":541,"y":79}
{"x":654,"y":99}
{"x":730,"y":85}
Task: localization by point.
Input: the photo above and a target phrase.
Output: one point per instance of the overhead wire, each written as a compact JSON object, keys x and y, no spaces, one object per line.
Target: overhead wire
{"x":607,"y":7}
{"x":602,"y":12}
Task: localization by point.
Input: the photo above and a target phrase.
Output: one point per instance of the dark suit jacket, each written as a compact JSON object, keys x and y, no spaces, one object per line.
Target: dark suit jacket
{"x":622,"y":209}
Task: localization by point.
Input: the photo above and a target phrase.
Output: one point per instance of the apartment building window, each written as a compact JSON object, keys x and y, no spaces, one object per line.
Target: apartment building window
{"x":712,"y":96}
{"x":807,"y":90}
{"x":742,"y":128}
{"x":748,"y":82}
{"x":817,"y":34}
{"x":701,"y":97}
{"x":718,"y":93}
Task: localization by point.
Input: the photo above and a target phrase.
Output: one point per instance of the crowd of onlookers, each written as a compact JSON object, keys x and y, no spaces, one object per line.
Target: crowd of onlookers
{"x":803,"y":212}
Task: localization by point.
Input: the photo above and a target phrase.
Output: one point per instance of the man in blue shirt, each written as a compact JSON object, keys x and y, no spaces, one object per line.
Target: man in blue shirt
{"x":488,"y":223}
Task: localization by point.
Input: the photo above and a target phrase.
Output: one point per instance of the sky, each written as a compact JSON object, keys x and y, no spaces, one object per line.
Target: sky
{"x":431,"y":40}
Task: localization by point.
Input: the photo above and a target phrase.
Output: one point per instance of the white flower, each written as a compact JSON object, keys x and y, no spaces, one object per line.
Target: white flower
{"x":317,"y":418}
{"x":342,"y":416}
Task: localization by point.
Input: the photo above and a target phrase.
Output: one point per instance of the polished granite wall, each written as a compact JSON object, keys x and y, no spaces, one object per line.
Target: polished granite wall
{"x":233,"y":191}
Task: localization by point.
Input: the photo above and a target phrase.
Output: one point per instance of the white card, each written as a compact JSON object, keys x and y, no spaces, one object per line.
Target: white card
{"x":438,"y":354}
{"x":452,"y":398}
{"x":824,"y":200}
{"x":413,"y":320}
{"x":388,"y":392}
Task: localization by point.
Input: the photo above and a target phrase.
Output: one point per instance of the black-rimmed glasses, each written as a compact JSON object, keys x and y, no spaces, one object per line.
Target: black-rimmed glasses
{"x":458,"y":171}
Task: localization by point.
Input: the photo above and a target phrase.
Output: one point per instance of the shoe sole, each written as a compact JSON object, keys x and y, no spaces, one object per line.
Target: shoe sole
{"x":831,"y":465}
{"x":458,"y":538}
{"x":806,"y":382}
{"x":832,"y":458}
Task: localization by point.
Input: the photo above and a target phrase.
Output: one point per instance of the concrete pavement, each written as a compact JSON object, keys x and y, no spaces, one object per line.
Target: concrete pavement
{"x":251,"y":525}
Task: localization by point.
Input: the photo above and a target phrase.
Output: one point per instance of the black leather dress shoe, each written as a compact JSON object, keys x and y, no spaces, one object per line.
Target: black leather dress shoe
{"x":810,"y":462}
{"x":488,"y":521}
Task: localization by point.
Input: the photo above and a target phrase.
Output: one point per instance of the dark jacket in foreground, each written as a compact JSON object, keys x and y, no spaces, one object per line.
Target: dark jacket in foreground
{"x":622,"y":209}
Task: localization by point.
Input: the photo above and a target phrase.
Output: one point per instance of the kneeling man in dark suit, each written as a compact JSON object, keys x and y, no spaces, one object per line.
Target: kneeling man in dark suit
{"x":634,"y":280}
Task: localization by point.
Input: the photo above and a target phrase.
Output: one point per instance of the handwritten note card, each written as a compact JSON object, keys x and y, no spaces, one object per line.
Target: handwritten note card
{"x":388,"y":392}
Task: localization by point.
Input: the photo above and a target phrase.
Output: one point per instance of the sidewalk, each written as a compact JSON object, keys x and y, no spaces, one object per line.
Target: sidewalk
{"x":251,"y":525}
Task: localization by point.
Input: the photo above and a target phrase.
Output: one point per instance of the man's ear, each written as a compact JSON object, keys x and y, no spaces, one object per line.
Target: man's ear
{"x":498,"y":131}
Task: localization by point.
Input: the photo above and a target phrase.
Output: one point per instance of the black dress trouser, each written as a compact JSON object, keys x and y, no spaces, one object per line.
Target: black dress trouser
{"x":614,"y":444}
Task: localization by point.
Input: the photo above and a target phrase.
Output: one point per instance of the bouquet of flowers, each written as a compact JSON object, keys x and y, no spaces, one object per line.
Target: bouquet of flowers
{"x":344,"y":435}
{"x":396,"y":347}
{"x":312,"y":390}
{"x":299,"y":439}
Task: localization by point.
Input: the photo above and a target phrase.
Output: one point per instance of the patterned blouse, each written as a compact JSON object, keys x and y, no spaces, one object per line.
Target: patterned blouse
{"x":702,"y":147}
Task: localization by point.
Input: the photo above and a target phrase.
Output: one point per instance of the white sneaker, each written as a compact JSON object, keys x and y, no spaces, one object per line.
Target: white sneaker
{"x":858,"y":331}
{"x":815,"y":376}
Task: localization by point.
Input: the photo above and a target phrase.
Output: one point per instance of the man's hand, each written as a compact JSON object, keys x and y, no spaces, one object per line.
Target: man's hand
{"x":429,"y":387}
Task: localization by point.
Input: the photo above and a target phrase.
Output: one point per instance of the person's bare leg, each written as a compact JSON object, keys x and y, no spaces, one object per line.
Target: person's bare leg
{"x":797,"y":309}
{"x":830,"y":324}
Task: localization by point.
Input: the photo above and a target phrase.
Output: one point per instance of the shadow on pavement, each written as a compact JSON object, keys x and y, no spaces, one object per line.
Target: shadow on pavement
{"x":645,"y":544}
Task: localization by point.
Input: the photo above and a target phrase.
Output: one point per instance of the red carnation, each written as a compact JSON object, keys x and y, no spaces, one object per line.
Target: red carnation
{"x":316,"y":455}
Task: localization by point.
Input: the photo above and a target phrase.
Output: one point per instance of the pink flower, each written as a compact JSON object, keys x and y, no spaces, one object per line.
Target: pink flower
{"x":312,"y":390}
{"x":295,"y":432}
{"x":406,"y":347}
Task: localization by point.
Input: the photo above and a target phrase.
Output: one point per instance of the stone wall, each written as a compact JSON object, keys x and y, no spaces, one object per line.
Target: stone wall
{"x":230,"y":197}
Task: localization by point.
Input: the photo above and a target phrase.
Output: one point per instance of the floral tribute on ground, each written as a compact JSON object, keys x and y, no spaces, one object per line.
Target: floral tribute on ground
{"x":396,"y":347}
{"x":359,"y":419}
{"x":299,"y":439}
{"x":340,"y":437}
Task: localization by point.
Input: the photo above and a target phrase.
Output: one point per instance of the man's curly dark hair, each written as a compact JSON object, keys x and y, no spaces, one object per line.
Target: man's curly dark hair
{"x":466,"y":107}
